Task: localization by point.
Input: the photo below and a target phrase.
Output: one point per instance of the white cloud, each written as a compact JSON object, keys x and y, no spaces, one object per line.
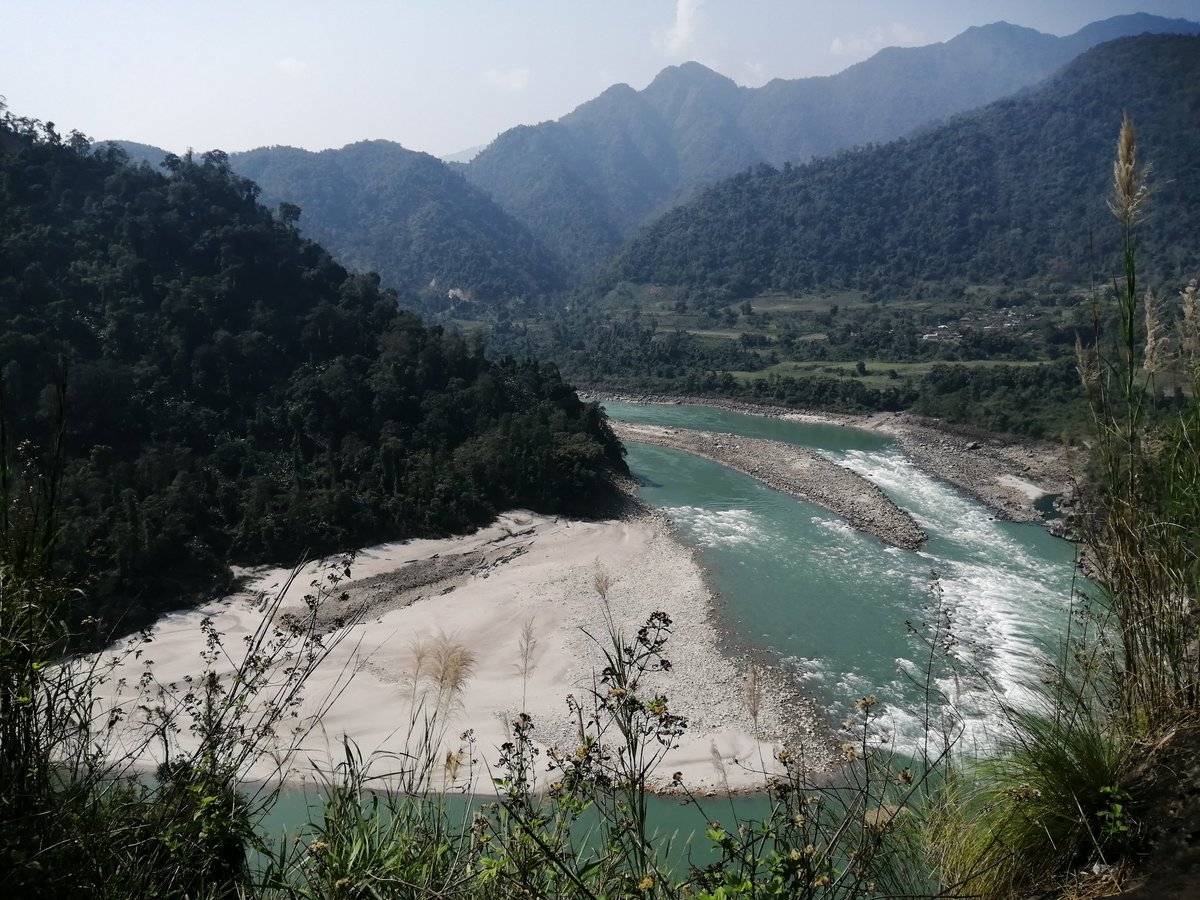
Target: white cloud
{"x":290,"y":67}
{"x":679,"y":39}
{"x":506,"y":79}
{"x":862,"y":45}
{"x":756,"y":73}
{"x":905,"y":35}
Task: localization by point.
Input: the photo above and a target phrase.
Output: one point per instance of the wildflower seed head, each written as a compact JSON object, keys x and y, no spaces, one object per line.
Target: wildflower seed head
{"x":1156,"y":341}
{"x":1131,"y":190}
{"x":1085,"y":364}
{"x":1189,"y":323}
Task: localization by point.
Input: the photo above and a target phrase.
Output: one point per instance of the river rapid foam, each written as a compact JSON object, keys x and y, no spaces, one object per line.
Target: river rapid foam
{"x":836,"y":605}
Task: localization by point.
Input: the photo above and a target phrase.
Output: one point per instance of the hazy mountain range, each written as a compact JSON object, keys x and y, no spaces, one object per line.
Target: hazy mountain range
{"x":378,"y":207}
{"x":1012,"y":191}
{"x":584,"y":183}
{"x":545,"y":203}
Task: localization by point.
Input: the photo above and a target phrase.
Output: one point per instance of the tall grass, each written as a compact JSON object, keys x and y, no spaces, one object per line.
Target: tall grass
{"x":371,"y":839}
{"x":80,"y":816}
{"x":1048,"y":801}
{"x":1144,"y":525}
{"x":1058,"y":795}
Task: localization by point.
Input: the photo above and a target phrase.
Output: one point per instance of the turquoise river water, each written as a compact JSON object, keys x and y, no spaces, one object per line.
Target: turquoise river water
{"x":830,"y":604}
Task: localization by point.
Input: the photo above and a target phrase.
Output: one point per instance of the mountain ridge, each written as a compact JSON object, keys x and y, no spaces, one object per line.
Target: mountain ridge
{"x":1012,"y":190}
{"x":582,"y":197}
{"x":225,"y":392}
{"x":408,"y":216}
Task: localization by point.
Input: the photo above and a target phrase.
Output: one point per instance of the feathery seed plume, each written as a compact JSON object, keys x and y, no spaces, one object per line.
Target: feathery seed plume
{"x":1189,"y":325}
{"x":1155,"y":339}
{"x":1131,"y":190}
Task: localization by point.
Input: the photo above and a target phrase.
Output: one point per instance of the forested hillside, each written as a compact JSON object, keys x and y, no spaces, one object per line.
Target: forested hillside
{"x":408,"y":216}
{"x":584,"y":183}
{"x":951,"y":273}
{"x":1008,"y":193}
{"x":214,"y":388}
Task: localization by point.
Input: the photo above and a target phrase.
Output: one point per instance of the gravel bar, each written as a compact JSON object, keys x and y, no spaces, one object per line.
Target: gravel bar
{"x":793,"y":470}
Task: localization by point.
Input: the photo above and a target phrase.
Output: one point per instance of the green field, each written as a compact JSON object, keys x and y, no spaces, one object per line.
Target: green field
{"x":878,"y":372}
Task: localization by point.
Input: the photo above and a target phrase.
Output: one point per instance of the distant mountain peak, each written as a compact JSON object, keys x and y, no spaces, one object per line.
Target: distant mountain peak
{"x":464,"y":156}
{"x":620,"y":89}
{"x":1130,"y":24}
{"x":997,"y":26}
{"x":586,"y":182}
{"x":1012,"y":190}
{"x":691,"y":73}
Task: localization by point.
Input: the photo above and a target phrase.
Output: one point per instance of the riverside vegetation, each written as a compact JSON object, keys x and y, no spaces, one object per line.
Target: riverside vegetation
{"x":947,"y":273}
{"x":234,"y":395}
{"x":1061,"y":795}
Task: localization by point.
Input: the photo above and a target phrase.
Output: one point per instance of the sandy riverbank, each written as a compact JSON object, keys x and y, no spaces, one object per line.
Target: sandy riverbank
{"x":796,"y":471}
{"x":1007,"y":476}
{"x":480,"y":592}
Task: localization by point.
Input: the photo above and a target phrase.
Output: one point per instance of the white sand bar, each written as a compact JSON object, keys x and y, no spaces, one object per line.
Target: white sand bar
{"x":480,"y":592}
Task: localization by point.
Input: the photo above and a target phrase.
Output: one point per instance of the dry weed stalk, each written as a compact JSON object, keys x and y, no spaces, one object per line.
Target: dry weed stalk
{"x":1156,"y":339}
{"x":453,"y":665}
{"x":752,"y":691}
{"x":526,"y":648}
{"x":1189,"y":324}
{"x":439,"y":670}
{"x":439,"y":665}
{"x":601,"y":581}
{"x":718,"y":765}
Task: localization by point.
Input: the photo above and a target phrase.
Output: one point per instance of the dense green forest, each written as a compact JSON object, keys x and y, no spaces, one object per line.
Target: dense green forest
{"x":1040,"y":400}
{"x":217,"y":389}
{"x":584,"y":183}
{"x":977,"y":245}
{"x":408,"y":216}
{"x":1011,"y":192}
{"x":950,"y":273}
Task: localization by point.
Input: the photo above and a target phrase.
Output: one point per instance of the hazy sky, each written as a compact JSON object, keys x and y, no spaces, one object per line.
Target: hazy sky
{"x":435,"y":75}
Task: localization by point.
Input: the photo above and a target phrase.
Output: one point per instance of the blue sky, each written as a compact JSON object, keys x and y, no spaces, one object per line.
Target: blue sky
{"x":435,"y":75}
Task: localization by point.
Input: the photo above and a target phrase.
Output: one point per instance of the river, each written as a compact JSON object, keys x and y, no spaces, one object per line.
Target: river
{"x":831,"y":604}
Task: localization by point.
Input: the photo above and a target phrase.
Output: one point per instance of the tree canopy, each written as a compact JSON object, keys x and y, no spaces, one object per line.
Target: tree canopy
{"x":234,"y":395}
{"x":1006,"y":193}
